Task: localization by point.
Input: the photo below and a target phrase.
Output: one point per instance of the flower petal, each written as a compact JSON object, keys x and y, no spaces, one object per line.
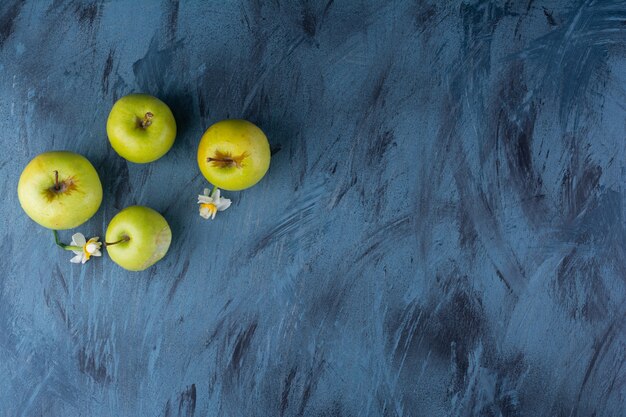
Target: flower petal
{"x":76,"y":259}
{"x":204,"y":213}
{"x":204,"y":199}
{"x":206,"y":192}
{"x":78,"y":239}
{"x":223,"y":204}
{"x":97,"y":253}
{"x":216,"y":195}
{"x":84,"y":260}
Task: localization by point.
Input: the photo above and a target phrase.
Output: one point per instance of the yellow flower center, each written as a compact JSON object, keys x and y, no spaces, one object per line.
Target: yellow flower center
{"x":212,"y":208}
{"x":86,"y":252}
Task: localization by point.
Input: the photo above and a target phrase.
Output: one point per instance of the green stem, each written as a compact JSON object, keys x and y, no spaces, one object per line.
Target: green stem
{"x":63,"y":245}
{"x":57,"y":241}
{"x":214,"y":190}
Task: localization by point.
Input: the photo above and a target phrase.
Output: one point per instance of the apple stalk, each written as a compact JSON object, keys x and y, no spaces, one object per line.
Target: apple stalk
{"x":147,"y":120}
{"x":124,"y":239}
{"x":57,"y":186}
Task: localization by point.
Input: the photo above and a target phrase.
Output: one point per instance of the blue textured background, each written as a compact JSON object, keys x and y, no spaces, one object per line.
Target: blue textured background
{"x":442,"y":231}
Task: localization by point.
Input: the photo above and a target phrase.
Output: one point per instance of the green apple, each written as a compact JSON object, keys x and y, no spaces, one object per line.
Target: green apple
{"x":141,"y":128}
{"x":233,"y":154}
{"x":137,"y":238}
{"x":60,"y":190}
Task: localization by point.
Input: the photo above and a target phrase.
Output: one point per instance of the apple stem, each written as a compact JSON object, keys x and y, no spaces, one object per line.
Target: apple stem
{"x":124,"y":239}
{"x":57,"y":187}
{"x":147,"y":120}
{"x":63,"y":245}
{"x":228,"y":161}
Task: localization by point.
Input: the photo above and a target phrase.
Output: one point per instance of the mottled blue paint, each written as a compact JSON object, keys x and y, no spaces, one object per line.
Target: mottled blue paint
{"x":441,"y":233}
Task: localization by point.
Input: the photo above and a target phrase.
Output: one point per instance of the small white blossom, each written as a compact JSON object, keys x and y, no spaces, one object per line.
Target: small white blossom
{"x":211,"y":204}
{"x":89,"y":248}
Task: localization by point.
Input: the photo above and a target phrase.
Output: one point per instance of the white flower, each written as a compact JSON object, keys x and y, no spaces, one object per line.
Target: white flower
{"x":89,"y":247}
{"x":211,"y":204}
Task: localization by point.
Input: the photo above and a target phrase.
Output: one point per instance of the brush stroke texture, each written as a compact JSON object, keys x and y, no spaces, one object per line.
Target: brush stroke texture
{"x":442,"y":231}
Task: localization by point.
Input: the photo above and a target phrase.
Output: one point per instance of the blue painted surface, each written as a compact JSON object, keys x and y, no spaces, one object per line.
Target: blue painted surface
{"x":441,"y":232}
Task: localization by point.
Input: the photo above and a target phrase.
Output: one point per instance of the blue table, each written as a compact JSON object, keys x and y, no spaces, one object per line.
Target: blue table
{"x":441,"y":232}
